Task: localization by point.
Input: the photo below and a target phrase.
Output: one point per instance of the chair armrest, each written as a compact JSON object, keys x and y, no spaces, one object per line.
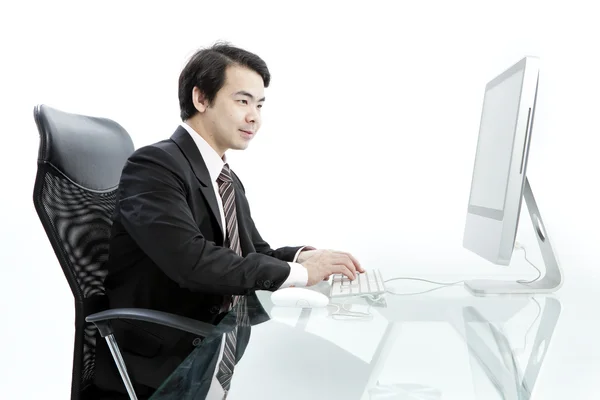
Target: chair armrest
{"x":102,"y":320}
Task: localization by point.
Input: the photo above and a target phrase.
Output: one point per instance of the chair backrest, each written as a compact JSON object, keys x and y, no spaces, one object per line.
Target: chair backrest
{"x":80,"y":162}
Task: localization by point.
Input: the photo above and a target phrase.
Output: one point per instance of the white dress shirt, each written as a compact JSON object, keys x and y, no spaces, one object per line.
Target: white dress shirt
{"x":298,"y":275}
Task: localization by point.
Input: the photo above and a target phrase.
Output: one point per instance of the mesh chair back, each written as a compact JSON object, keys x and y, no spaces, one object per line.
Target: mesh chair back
{"x":79,"y":166}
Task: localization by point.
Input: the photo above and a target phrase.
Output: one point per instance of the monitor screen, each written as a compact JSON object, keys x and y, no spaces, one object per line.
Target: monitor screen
{"x":500,"y":165}
{"x":495,"y":147}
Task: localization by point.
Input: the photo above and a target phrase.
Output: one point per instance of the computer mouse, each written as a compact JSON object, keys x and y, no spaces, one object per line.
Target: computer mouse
{"x":299,"y":297}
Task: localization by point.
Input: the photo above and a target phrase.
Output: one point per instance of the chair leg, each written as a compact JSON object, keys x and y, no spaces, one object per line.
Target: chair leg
{"x":116,"y":353}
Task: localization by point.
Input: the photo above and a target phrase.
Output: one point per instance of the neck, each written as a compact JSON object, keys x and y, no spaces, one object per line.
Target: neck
{"x":198,"y":126}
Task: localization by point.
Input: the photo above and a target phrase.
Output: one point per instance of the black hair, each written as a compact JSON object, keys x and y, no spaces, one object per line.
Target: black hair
{"x":206,"y":70}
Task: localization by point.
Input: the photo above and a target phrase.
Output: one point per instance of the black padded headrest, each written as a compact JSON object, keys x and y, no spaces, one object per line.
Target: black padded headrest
{"x":90,"y":151}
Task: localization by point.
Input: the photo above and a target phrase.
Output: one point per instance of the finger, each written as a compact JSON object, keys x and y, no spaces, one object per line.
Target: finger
{"x":343,"y":269}
{"x":356,"y":263}
{"x":327,"y":273}
{"x":343,"y":259}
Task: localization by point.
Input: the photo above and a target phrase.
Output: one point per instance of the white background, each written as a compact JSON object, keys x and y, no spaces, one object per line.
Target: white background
{"x":368,"y":141}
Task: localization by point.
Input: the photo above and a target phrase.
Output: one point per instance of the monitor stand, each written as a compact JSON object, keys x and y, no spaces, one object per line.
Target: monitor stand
{"x":548,"y":283}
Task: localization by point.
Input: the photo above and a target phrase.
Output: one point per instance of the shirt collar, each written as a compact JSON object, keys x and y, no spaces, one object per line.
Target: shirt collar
{"x":213,"y":162}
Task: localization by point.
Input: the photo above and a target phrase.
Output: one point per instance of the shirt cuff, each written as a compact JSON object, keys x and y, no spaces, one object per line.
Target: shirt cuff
{"x":300,"y":251}
{"x":298,"y":276}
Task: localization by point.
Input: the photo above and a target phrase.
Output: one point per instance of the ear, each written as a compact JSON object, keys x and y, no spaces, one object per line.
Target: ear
{"x":200,"y":102}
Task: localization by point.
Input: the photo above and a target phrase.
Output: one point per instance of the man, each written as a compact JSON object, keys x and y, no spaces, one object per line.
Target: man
{"x":183,"y":239}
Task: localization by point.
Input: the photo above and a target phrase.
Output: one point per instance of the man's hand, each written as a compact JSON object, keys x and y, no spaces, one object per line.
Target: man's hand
{"x":321,"y":264}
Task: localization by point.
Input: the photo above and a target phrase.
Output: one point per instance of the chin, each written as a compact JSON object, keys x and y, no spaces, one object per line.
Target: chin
{"x":241,"y":146}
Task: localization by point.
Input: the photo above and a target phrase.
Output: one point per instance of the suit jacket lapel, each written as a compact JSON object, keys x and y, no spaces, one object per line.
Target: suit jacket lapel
{"x":187,"y":145}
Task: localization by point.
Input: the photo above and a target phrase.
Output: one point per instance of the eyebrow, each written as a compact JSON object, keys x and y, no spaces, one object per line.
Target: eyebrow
{"x":244,"y":93}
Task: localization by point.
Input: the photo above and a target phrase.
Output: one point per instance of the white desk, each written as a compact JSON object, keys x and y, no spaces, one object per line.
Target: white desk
{"x":442,"y":345}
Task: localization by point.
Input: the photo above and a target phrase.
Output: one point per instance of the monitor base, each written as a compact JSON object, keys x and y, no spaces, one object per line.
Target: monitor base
{"x":484,"y":287}
{"x":547,"y":283}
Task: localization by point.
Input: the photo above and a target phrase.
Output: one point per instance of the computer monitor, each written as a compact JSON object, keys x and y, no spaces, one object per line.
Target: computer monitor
{"x":499,"y":181}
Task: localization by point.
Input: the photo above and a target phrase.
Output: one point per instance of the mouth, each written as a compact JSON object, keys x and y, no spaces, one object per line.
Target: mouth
{"x":247,"y":134}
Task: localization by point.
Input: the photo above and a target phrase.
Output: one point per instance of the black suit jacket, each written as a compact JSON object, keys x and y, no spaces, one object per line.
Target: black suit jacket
{"x":168,"y":253}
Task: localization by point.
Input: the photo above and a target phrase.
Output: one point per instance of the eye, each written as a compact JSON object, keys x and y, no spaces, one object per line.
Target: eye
{"x":243,"y":101}
{"x":260,"y":106}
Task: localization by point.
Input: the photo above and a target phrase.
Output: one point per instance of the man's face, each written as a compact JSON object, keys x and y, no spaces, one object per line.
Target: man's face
{"x":234,"y":117}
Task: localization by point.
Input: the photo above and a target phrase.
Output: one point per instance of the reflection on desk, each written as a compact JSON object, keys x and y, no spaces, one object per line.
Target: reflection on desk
{"x":414,"y":347}
{"x":500,"y":360}
{"x":410,"y":347}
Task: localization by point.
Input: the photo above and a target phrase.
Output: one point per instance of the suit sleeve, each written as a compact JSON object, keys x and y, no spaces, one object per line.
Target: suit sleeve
{"x":154,"y":211}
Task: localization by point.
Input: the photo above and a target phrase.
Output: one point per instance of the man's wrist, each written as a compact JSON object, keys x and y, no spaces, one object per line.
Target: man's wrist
{"x":298,"y":258}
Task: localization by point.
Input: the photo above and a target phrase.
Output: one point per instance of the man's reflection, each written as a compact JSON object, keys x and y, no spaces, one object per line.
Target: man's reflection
{"x":195,"y":378}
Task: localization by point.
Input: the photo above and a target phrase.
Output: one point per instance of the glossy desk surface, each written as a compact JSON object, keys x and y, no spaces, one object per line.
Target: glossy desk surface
{"x":446,"y":344}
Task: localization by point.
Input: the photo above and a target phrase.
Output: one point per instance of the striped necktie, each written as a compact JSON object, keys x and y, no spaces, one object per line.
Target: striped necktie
{"x":227,"y":193}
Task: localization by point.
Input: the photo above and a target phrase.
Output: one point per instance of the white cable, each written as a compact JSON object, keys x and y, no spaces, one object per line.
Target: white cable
{"x":442,"y":285}
{"x":424,"y":280}
{"x":519,"y":246}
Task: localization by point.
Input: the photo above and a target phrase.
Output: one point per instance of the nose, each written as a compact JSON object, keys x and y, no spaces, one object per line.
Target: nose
{"x":253,"y":117}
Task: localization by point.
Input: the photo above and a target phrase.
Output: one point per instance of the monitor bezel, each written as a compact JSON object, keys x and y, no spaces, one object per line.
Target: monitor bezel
{"x":492,"y":235}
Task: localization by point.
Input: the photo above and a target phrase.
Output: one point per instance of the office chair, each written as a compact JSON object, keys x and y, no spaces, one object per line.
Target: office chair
{"x":80,"y":161}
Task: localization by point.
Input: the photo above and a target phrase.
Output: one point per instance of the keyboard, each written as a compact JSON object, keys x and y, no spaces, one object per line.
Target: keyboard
{"x":369,"y":282}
